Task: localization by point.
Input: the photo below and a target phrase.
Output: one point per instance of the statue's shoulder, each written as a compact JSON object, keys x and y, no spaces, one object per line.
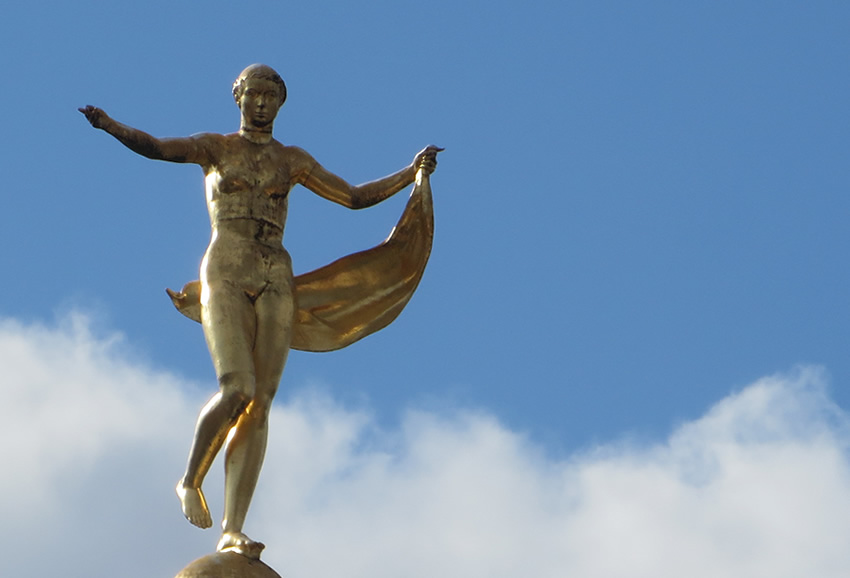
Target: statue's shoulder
{"x":291,"y":149}
{"x":299,"y":161}
{"x":210,"y":142}
{"x":211,"y":137}
{"x":295,"y":153}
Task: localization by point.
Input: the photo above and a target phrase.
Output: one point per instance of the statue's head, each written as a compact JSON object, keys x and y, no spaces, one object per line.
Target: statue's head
{"x":260,"y":72}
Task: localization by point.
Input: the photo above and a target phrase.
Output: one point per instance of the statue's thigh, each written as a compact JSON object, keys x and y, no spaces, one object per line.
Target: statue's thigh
{"x":275,"y":311}
{"x":230,"y":327}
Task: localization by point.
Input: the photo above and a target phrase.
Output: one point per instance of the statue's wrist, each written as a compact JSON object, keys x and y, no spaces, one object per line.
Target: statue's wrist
{"x":108,"y":124}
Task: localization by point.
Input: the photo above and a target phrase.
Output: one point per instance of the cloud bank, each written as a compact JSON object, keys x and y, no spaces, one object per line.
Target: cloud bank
{"x":95,"y":440}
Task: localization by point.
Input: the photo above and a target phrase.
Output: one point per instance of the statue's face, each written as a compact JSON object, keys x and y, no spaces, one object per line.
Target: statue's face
{"x":259,"y":102}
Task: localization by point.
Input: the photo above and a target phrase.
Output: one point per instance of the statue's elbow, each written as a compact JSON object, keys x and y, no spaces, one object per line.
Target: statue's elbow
{"x":357,"y":202}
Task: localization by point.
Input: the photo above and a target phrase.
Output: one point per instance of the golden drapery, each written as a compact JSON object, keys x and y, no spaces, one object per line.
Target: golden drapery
{"x":358,"y":294}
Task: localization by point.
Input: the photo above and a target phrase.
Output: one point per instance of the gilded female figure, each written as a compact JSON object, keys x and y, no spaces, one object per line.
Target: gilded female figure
{"x":247,"y":302}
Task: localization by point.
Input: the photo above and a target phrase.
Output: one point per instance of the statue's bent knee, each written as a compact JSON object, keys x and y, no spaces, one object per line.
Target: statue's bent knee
{"x":237,"y":388}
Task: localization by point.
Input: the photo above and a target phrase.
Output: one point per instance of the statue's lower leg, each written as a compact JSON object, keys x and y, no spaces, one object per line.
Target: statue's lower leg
{"x":214,"y":423}
{"x":243,"y":461}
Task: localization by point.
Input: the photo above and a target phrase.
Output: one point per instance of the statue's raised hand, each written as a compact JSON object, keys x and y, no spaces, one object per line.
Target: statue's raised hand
{"x":426,"y":159}
{"x":95,"y":116}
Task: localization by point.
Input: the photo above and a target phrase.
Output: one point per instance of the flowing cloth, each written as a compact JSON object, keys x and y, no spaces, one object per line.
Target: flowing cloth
{"x":359,"y":294}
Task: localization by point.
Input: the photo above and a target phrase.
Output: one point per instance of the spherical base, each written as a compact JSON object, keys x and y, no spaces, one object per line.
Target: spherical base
{"x":227,"y":565}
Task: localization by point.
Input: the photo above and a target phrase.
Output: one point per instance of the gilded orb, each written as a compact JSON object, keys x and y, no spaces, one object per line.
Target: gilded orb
{"x":227,"y":565}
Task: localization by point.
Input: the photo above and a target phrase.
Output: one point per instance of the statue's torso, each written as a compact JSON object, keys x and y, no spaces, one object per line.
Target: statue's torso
{"x":249,"y":181}
{"x":247,"y":188}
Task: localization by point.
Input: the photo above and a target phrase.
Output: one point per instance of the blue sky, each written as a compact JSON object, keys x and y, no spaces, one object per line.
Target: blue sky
{"x":641,"y":208}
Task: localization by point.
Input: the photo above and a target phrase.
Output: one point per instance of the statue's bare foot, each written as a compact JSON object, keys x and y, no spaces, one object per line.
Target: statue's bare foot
{"x":194,"y":505}
{"x":241,"y":544}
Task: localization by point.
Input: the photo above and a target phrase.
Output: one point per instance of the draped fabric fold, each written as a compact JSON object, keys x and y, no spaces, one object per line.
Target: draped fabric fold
{"x":358,"y":294}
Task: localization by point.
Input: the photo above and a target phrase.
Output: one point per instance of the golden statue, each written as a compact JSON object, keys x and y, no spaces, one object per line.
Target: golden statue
{"x":251,"y":307}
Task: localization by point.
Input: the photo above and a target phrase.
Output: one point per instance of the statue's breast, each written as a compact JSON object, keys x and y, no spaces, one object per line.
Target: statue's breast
{"x":265,"y":172}
{"x":230,"y":184}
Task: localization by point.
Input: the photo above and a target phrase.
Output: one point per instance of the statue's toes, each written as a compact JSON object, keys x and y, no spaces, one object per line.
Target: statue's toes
{"x":201,"y":521}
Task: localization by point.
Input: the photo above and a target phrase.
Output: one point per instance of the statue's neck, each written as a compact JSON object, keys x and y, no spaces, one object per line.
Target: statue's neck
{"x":256,"y":135}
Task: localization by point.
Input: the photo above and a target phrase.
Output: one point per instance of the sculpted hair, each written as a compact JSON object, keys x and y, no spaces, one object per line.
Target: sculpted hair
{"x":258,"y":71}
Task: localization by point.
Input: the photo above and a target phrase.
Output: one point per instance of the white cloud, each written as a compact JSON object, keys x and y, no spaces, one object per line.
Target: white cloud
{"x":759,"y":486}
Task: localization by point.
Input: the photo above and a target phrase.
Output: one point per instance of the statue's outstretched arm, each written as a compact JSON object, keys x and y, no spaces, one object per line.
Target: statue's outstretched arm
{"x":176,"y":150}
{"x":326,"y":184}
